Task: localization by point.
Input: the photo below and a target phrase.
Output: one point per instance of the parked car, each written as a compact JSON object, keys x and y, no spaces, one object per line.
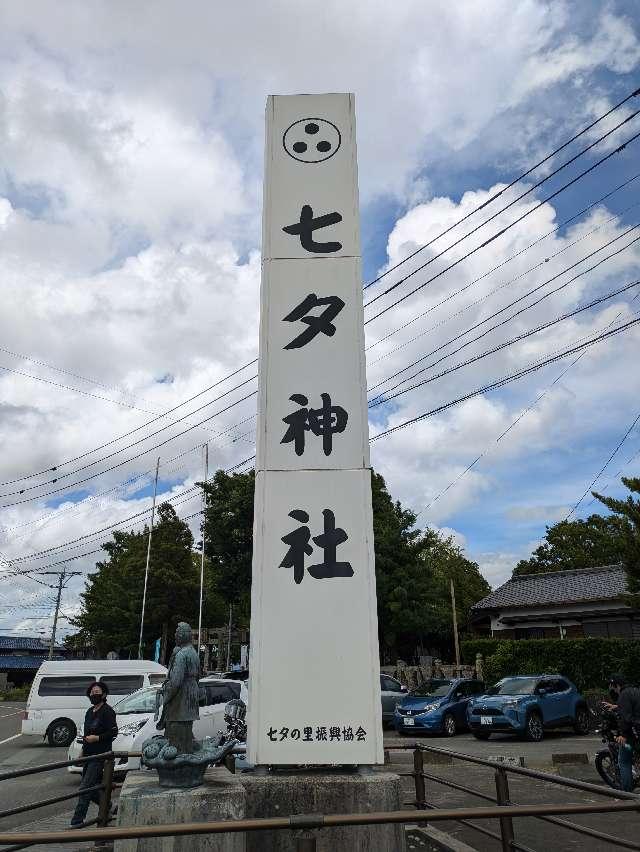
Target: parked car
{"x":438,"y":706}
{"x":134,"y":716}
{"x":527,"y":705}
{"x":392,"y":691}
{"x":58,"y":701}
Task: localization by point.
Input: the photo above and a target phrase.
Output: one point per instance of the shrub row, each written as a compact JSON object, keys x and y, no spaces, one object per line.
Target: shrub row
{"x":587,"y":662}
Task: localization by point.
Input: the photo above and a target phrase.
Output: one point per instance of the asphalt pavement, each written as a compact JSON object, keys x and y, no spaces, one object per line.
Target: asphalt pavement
{"x":17,"y":751}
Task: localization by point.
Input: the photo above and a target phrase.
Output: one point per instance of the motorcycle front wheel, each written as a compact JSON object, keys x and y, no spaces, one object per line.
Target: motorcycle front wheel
{"x":607,"y":767}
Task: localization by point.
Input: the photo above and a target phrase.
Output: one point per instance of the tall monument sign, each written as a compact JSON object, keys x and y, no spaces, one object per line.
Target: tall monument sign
{"x":315,"y":686}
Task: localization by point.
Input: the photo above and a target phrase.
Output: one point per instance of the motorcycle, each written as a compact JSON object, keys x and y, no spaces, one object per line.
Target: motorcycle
{"x":606,"y":761}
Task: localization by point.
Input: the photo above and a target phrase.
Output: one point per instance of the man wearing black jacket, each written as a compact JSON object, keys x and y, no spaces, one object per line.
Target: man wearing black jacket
{"x":628,"y":710}
{"x":100,"y":730}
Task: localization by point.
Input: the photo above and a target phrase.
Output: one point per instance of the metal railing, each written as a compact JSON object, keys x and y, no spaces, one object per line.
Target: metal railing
{"x":305,"y":825}
{"x":502,"y":798}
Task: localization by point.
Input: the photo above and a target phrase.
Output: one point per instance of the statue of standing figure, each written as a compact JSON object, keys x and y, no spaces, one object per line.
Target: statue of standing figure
{"x":180,"y":693}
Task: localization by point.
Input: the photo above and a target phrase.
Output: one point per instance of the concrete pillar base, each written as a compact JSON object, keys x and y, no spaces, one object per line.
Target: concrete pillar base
{"x":144,"y":802}
{"x":324,"y":792}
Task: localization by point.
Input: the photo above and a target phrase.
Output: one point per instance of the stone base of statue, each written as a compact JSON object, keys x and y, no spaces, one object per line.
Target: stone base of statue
{"x":142,"y":801}
{"x":180,"y":769}
{"x":283,"y":793}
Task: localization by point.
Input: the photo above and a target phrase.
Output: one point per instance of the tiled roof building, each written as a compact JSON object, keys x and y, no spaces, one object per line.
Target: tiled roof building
{"x":576,"y":603}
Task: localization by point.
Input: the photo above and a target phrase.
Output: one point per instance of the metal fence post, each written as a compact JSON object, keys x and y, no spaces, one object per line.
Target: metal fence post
{"x":502,"y":797}
{"x":418,"y":774}
{"x":107,"y":791}
{"x":306,"y":843}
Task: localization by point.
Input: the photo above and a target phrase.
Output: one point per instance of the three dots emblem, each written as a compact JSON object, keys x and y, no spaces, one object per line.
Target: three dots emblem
{"x":311,"y":140}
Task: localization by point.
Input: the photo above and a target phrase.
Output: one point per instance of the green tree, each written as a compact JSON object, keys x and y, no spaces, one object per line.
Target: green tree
{"x":568,"y":545}
{"x":112,"y":600}
{"x":228,"y":542}
{"x":627,"y":516}
{"x":412,"y":569}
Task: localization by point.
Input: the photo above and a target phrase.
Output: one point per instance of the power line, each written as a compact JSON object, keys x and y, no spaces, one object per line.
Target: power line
{"x":602,"y":470}
{"x":501,"y":231}
{"x":500,"y":286}
{"x":142,"y":426}
{"x":506,"y":188}
{"x":121,"y":463}
{"x":505,"y":380}
{"x":75,"y":390}
{"x":502,"y":310}
{"x":175,"y":500}
{"x":520,"y":337}
{"x":514,"y":423}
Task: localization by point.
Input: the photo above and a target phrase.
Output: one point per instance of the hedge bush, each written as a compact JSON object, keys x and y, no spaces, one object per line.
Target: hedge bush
{"x":587,"y":662}
{"x":470,"y":647}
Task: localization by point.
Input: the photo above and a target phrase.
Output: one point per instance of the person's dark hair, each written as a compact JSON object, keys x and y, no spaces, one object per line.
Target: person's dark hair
{"x":103,"y":686}
{"x":617,"y":680}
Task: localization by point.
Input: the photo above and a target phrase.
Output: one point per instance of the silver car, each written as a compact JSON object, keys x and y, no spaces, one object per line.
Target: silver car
{"x":392,"y":692}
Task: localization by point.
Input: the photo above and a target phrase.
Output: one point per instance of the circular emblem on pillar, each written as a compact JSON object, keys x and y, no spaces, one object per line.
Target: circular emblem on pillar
{"x":311,"y":140}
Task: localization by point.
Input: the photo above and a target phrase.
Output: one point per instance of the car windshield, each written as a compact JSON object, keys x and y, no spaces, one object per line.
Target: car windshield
{"x":143,"y":701}
{"x":515,"y":686}
{"x":432,"y":687}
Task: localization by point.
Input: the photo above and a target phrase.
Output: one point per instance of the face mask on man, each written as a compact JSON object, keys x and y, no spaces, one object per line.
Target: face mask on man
{"x":96,"y":699}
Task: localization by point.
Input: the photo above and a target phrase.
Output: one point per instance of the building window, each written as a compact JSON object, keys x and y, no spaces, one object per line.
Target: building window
{"x":611,"y":629}
{"x":529,"y":633}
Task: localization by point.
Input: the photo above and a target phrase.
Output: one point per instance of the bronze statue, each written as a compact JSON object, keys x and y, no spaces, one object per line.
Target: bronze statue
{"x":179,"y":693}
{"x":180,"y":760}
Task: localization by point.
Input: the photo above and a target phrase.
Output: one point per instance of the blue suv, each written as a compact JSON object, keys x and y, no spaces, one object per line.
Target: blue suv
{"x":438,"y":706}
{"x":527,"y":705}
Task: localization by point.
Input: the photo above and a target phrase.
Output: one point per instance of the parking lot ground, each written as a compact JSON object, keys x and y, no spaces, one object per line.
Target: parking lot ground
{"x":18,"y":751}
{"x":536,"y":755}
{"x":534,"y":833}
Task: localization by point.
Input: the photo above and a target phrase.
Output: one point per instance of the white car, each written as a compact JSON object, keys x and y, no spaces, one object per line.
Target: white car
{"x":134,"y":716}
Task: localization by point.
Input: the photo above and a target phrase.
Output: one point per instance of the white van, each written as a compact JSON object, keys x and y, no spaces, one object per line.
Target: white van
{"x":58,"y":702}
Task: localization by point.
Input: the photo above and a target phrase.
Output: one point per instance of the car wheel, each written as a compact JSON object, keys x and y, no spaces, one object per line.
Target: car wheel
{"x":581,"y":722}
{"x":534,"y":730}
{"x":61,"y":732}
{"x":481,"y":735}
{"x":449,"y":725}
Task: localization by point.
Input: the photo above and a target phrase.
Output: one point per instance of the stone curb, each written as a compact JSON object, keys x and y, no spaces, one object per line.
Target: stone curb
{"x":438,"y":838}
{"x":551,"y":762}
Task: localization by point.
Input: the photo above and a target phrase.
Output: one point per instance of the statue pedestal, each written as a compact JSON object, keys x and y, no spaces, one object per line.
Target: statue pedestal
{"x":143,"y":802}
{"x":278,"y":794}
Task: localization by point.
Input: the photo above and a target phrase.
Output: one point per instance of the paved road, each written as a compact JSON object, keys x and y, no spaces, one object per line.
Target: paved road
{"x":9,"y":722}
{"x":17,"y":751}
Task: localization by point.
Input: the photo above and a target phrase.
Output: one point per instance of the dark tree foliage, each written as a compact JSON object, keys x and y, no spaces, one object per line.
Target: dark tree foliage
{"x":412,"y":569}
{"x":576,"y":544}
{"x":112,"y":601}
{"x":627,"y":515}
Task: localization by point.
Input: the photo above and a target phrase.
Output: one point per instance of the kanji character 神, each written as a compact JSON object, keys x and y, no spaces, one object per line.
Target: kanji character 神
{"x":327,"y":421}
{"x":308,"y":224}
{"x":322,"y":324}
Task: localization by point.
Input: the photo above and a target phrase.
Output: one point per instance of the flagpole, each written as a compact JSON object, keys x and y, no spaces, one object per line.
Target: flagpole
{"x":204,"y":520}
{"x":146,"y":570}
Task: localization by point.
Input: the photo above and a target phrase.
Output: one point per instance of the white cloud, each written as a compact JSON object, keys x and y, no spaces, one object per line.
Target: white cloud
{"x":129,"y":224}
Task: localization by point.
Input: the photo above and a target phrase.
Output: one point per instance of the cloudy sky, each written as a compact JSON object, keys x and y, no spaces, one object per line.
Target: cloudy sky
{"x":131,"y":141}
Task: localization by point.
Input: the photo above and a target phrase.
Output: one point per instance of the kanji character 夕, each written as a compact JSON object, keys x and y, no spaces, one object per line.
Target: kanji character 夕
{"x":321,"y":324}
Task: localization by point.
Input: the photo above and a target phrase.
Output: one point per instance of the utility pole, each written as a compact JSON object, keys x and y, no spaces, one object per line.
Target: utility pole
{"x":229,"y":640}
{"x":204,"y":520}
{"x":62,"y":576}
{"x":455,"y":626}
{"x":146,"y":570}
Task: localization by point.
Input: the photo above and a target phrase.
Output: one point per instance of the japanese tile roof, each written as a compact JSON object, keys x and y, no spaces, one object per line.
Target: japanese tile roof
{"x":8,"y":662}
{"x":557,"y":587}
{"x":23,"y":643}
